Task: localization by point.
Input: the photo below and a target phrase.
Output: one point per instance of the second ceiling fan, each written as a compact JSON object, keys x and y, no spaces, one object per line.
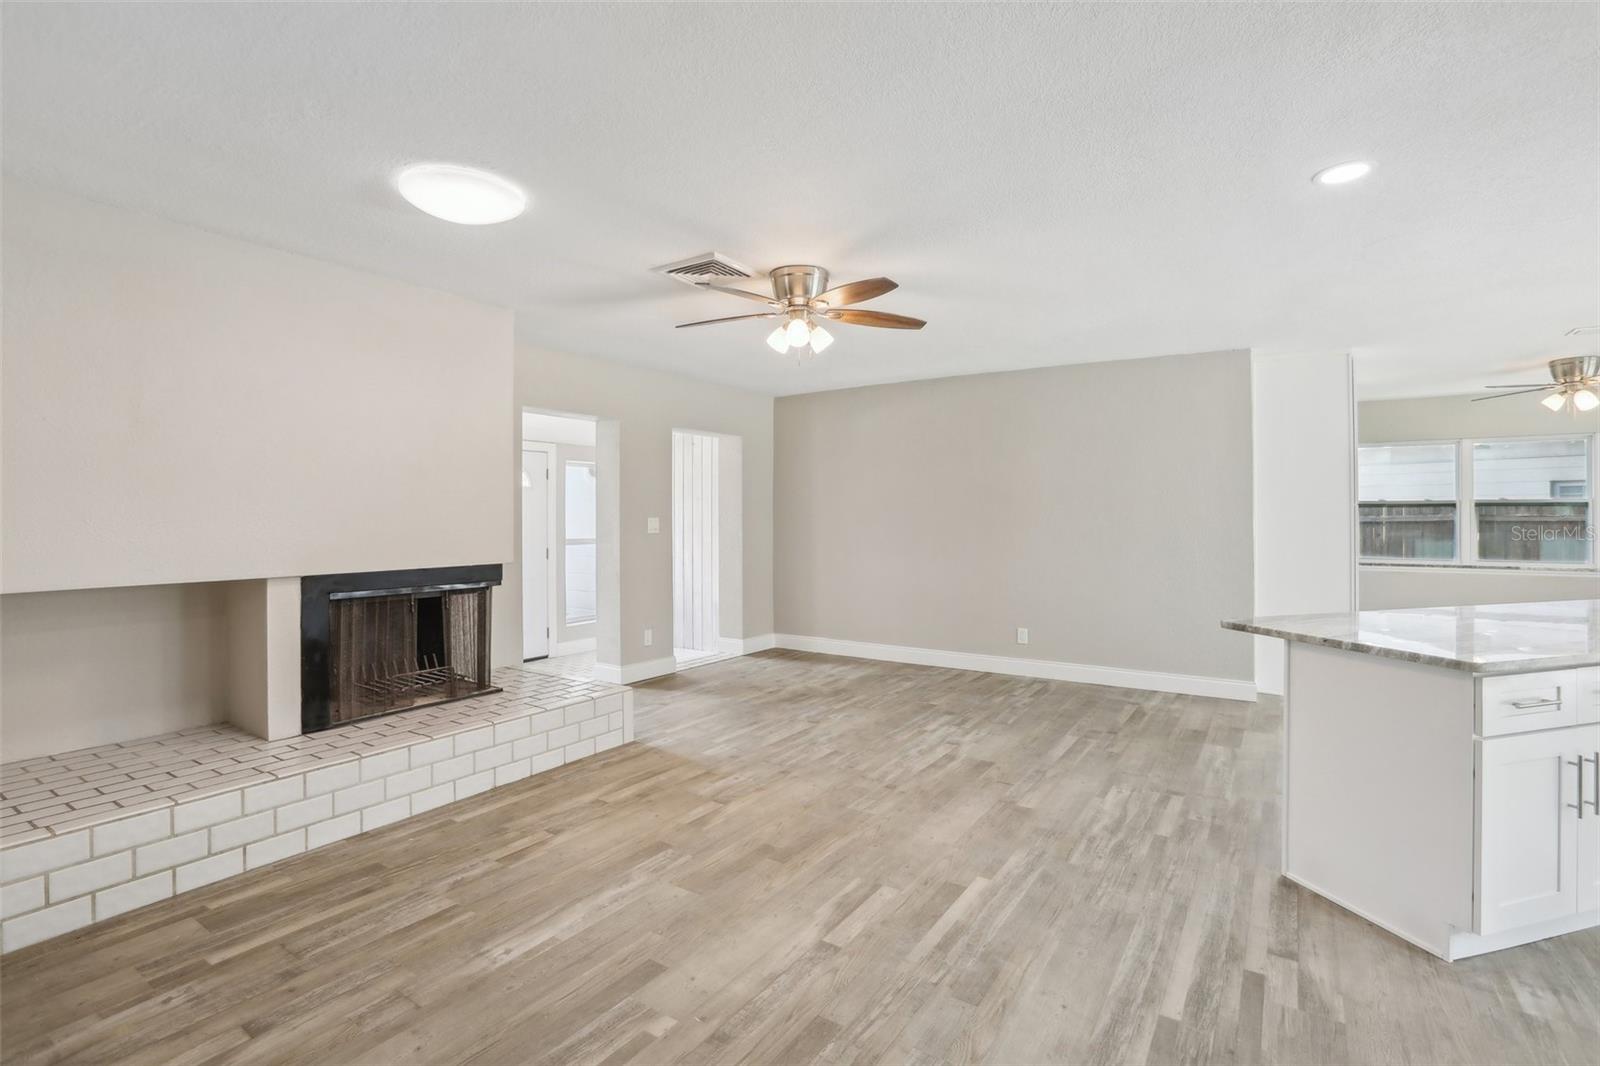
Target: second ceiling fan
{"x":802,"y":299}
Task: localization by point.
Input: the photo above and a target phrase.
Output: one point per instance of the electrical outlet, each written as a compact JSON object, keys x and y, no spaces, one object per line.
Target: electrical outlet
{"x":652,"y":525}
{"x":1022,"y":635}
{"x":649,"y":636}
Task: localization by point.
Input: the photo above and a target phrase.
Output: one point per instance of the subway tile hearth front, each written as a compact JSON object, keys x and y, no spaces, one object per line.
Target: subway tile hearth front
{"x":87,"y":835}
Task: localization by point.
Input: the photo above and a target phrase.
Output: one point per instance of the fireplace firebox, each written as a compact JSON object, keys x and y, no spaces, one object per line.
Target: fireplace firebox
{"x":377,"y":643}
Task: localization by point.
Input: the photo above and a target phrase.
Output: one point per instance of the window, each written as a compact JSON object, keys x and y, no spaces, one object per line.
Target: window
{"x":578,"y":542}
{"x":1524,"y":501}
{"x":1520,"y":515}
{"x":1408,"y":501}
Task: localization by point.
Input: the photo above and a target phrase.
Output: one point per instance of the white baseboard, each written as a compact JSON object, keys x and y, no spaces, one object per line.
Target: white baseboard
{"x":633,"y":673}
{"x":746,"y":645}
{"x":1466,"y":945}
{"x":1116,"y":677}
{"x":572,"y":647}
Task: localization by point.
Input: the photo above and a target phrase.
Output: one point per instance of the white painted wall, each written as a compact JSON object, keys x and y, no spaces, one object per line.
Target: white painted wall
{"x":557,"y":429}
{"x":1302,"y":409}
{"x":180,"y":406}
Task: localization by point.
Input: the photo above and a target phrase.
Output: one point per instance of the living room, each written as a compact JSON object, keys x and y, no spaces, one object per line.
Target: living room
{"x":1054,"y":533}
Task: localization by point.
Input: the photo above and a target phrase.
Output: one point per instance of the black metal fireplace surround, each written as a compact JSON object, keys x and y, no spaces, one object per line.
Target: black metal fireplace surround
{"x":392,"y":640}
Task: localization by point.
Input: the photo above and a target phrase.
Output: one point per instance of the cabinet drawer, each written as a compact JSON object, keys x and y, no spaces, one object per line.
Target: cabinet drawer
{"x":1518,"y":703}
{"x":1589,"y":694}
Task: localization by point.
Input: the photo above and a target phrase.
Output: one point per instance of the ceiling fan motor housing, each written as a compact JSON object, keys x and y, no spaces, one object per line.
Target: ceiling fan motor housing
{"x":797,"y":286}
{"x":1576,"y":369}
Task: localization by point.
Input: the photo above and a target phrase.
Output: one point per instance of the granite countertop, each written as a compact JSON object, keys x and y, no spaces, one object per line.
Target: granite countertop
{"x":1501,"y":638}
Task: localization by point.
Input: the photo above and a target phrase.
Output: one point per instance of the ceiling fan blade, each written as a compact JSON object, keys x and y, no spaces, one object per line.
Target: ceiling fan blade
{"x":731,"y":291}
{"x":857,"y":292}
{"x":1525,"y":385}
{"x":1503,"y":395}
{"x":730,"y":318}
{"x":876,"y":318}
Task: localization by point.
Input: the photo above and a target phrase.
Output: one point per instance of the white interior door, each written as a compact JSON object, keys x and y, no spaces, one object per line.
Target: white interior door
{"x":535,"y":554}
{"x":694,"y":541}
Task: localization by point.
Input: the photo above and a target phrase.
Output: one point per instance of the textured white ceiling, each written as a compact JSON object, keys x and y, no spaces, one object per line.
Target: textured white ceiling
{"x":1049,"y":184}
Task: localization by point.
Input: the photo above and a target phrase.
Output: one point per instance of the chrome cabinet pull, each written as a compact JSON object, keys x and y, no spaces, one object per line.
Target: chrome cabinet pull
{"x":1594,"y":801}
{"x":1578,"y":763}
{"x":1534,"y":702}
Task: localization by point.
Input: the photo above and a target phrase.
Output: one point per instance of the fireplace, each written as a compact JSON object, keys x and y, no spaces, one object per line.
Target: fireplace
{"x":377,"y":643}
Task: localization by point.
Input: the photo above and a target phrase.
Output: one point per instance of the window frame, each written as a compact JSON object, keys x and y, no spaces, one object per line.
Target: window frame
{"x":566,"y":542}
{"x":1466,"y":505}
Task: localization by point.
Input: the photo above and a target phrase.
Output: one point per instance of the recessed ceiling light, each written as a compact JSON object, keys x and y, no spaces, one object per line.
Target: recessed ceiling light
{"x":1341,"y":173}
{"x":461,"y":194}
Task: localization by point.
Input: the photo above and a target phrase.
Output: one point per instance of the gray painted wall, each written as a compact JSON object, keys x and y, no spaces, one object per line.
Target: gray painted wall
{"x":1106,"y":507}
{"x":1449,"y":417}
{"x":99,"y":666}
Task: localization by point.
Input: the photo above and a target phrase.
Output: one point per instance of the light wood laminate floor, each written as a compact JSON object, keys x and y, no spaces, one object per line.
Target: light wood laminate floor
{"x":813,"y":859}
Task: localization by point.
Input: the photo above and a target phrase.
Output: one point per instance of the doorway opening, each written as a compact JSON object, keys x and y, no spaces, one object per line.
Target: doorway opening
{"x":560,"y":595}
{"x":696,"y":547}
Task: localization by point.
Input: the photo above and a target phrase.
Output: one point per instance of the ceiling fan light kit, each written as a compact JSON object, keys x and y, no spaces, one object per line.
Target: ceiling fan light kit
{"x":1575,"y":380}
{"x":802,"y":301}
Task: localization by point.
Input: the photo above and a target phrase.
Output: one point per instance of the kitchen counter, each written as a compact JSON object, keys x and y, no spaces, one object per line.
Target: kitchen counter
{"x":1508,"y":638}
{"x":1441,"y":769}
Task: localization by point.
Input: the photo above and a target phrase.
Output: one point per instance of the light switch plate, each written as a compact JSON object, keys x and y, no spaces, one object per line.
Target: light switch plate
{"x":652,"y":525}
{"x":649,"y":636}
{"x":1022,"y":635}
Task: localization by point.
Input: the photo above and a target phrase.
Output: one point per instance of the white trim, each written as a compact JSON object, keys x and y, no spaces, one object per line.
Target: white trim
{"x":747,"y":645}
{"x":1466,"y":504}
{"x":572,"y":647}
{"x":1114,"y":676}
{"x":549,"y":452}
{"x":1352,"y":495}
{"x":633,"y":673}
{"x":1464,"y":945}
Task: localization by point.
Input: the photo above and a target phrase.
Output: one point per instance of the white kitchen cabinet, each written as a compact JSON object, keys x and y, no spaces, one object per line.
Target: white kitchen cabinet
{"x":1538,"y":827}
{"x":1431,"y":769}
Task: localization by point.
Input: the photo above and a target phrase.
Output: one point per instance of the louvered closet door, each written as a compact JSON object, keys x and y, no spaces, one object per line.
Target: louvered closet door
{"x":694,"y":541}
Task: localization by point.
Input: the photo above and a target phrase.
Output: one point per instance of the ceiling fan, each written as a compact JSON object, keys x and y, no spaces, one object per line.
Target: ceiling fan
{"x":801,"y":297}
{"x":1576,"y":379}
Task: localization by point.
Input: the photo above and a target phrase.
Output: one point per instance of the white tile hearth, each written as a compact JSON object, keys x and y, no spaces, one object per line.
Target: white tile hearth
{"x":85,"y":835}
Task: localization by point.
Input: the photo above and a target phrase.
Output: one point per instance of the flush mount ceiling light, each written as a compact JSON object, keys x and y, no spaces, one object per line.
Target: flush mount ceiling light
{"x":801,"y":297}
{"x":461,"y":194}
{"x":1342,"y":173}
{"x":1576,"y":380}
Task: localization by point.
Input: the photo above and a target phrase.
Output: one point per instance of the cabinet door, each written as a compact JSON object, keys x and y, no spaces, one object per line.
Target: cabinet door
{"x":1588,"y":751}
{"x":1528,"y":836}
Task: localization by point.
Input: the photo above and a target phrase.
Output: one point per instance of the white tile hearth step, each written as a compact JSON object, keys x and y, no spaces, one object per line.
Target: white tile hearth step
{"x":173,"y":813}
{"x":77,"y":789}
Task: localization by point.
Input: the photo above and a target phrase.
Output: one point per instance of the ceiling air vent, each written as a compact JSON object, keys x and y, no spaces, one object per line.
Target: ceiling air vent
{"x":709,"y":266}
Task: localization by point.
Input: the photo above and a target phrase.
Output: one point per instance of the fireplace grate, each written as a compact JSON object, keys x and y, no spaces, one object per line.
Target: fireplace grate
{"x":394,"y":650}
